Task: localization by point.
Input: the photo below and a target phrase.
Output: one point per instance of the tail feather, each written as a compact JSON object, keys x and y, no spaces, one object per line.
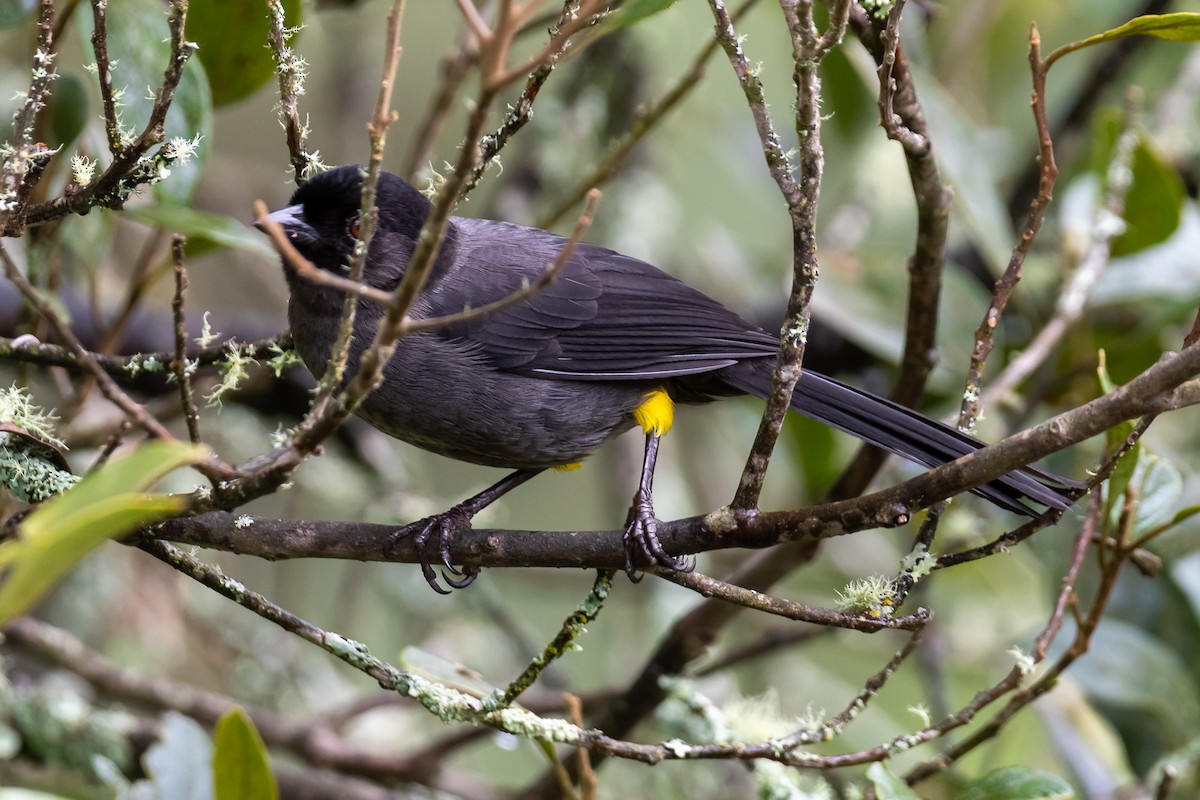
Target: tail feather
{"x":909,"y":434}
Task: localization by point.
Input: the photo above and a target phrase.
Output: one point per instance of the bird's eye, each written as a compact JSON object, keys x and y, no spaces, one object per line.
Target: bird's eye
{"x":352,"y":227}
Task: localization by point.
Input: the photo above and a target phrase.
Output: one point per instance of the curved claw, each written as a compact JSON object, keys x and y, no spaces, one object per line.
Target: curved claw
{"x":444,"y":550}
{"x":442,"y":526}
{"x":630,"y":543}
{"x":641,"y":539}
{"x":458,"y":519}
{"x":421,"y":542}
{"x":469,"y":574}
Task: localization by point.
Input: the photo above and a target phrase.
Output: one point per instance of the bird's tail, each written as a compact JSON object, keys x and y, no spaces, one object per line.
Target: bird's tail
{"x":907,"y":433}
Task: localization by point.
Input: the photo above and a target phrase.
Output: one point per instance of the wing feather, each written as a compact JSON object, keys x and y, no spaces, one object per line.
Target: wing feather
{"x":606,"y":317}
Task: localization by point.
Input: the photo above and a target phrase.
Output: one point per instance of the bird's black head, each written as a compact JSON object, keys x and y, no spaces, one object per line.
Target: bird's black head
{"x":322,"y":219}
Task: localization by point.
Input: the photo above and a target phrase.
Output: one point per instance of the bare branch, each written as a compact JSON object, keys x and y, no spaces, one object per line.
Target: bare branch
{"x":212,"y":467}
{"x":290,"y":68}
{"x":759,"y":601}
{"x":179,"y":364}
{"x":985,"y":334}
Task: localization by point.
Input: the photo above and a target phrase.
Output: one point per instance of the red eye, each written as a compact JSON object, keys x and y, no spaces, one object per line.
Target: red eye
{"x":352,"y":226}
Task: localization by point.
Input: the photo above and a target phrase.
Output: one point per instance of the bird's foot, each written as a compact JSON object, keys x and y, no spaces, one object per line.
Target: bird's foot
{"x":642,"y":544}
{"x":441,"y":527}
{"x":437,"y":530}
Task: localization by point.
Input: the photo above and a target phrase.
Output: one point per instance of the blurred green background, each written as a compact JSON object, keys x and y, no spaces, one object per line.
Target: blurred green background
{"x":695,"y":199}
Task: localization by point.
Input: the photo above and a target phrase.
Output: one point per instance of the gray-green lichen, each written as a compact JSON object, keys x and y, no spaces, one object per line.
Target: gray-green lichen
{"x":872,"y":596}
{"x":29,"y":464}
{"x":31,"y":478}
{"x":62,"y":728}
{"x":17,"y":407}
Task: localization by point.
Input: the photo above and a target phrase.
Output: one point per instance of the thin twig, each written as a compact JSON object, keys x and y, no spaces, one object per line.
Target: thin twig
{"x":1012,"y":683}
{"x":179,"y":365}
{"x":21,"y":170}
{"x":452,"y":76}
{"x":643,"y":122}
{"x":903,"y":119}
{"x":128,"y":367}
{"x":839,"y":722}
{"x":521,"y":111}
{"x":588,"y":782}
{"x":1166,"y":782}
{"x":759,"y":601}
{"x":787,"y":368}
{"x":985,"y":334}
{"x":305,"y":269}
{"x":114,"y":441}
{"x":212,"y":467}
{"x":112,"y":125}
{"x":1106,"y":226}
{"x":545,"y":279}
{"x":377,"y":129}
{"x":24,"y":120}
{"x":290,"y":68}
{"x":332,"y":402}
{"x":571,"y":629}
{"x":131,"y":166}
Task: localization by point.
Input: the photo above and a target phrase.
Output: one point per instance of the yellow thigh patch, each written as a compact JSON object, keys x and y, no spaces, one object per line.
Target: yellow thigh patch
{"x":569,"y":467}
{"x":656,"y":413}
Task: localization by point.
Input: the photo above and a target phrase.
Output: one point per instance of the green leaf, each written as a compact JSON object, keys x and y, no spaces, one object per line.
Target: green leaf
{"x":106,"y":504}
{"x":1017,"y":783}
{"x":1178,"y":27}
{"x":232,"y":35}
{"x":632,"y":12}
{"x":14,"y":13}
{"x":1154,"y":204}
{"x":1159,"y":486}
{"x":888,"y":785}
{"x":69,"y":110}
{"x":217,"y":229}
{"x":1183,"y":515}
{"x":241,"y":768}
{"x":1129,"y":669}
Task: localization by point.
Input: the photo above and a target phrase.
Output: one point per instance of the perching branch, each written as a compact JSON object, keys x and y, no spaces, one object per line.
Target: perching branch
{"x":1165,"y":386}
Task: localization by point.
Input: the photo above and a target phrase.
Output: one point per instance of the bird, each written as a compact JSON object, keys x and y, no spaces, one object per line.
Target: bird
{"x":611,"y":344}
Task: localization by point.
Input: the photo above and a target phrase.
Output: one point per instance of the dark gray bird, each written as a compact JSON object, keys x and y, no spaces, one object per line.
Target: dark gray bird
{"x":610,"y":345}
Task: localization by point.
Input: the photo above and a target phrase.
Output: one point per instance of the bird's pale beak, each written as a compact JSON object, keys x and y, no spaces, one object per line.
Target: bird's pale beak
{"x":292,"y":220}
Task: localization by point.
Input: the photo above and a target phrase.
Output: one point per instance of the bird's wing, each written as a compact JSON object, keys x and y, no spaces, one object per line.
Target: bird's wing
{"x":606,"y":316}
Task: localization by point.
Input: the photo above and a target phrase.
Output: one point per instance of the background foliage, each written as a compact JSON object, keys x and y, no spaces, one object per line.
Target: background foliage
{"x":694,"y":198}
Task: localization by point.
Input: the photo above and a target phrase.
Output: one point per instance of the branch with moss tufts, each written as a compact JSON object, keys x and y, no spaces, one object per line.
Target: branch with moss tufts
{"x":133,"y":164}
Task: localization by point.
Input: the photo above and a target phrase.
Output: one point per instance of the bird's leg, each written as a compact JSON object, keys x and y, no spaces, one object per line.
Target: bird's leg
{"x":440,"y":527}
{"x":641,"y":527}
